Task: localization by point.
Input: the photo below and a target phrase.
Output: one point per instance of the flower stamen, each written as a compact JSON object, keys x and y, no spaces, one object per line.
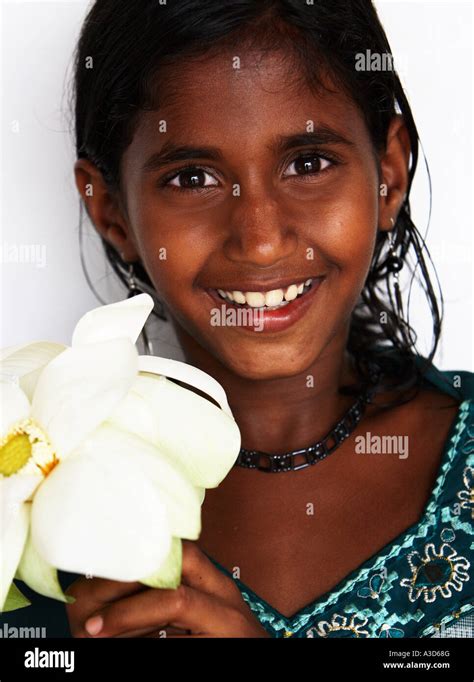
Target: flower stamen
{"x":25,"y":449}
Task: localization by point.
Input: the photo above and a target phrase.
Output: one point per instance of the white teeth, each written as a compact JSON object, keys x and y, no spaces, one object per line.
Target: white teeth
{"x":238,"y":297}
{"x":255,"y":299}
{"x":271,"y":299}
{"x":291,"y":293}
{"x":274,"y":297}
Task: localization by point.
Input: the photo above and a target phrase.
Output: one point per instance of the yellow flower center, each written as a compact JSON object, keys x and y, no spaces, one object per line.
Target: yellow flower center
{"x":14,"y":454}
{"x":26,"y":448}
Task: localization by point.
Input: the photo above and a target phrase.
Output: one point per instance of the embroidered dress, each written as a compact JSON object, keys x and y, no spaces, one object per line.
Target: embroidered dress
{"x":421,"y":584}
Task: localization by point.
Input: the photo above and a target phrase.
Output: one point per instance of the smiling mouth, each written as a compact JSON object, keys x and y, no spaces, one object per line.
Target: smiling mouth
{"x":267,"y":300}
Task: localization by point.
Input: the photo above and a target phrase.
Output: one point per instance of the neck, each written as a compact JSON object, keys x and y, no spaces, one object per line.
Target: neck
{"x":285,"y":413}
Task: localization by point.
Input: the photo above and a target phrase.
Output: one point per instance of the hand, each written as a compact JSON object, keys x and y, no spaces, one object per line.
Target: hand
{"x":208,"y":603}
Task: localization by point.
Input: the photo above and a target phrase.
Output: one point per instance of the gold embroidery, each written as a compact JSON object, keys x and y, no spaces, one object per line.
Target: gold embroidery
{"x":435,"y":573}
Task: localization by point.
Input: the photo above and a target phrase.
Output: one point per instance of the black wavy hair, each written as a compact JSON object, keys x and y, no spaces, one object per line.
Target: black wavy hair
{"x":130,"y":41}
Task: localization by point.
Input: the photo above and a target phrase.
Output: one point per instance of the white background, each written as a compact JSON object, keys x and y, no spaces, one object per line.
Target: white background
{"x":432,"y":45}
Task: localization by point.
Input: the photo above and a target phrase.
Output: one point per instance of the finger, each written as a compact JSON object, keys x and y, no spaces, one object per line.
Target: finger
{"x":184,"y":608}
{"x":91,"y":595}
{"x":102,"y":589}
{"x":82,"y":633}
{"x":200,"y":573}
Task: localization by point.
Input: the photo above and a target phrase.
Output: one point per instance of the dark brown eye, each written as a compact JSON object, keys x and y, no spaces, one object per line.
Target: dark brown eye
{"x":305,"y":165}
{"x":192,"y":178}
{"x":195,"y":178}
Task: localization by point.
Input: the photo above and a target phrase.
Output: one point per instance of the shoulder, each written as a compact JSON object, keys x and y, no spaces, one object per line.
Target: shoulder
{"x":450,"y":394}
{"x":443,"y":399}
{"x":458,"y":383}
{"x":419,"y":370}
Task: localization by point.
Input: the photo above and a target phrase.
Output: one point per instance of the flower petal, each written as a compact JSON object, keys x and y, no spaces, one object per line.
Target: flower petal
{"x":181,"y":497}
{"x":134,"y":414}
{"x":8,"y":350}
{"x":14,"y":406}
{"x":174,"y":369}
{"x":101,"y":516}
{"x":27,"y":362}
{"x":122,"y":319}
{"x":39,"y":575}
{"x":15,"y":600}
{"x":188,"y":428}
{"x":14,"y":490}
{"x":12,"y":541}
{"x":168,"y":575}
{"x":80,"y":388}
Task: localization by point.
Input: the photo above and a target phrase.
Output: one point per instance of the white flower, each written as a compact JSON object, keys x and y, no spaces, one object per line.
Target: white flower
{"x":103,"y":460}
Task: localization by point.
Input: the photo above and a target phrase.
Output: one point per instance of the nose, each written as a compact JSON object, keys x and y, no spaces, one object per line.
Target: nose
{"x":259,"y":234}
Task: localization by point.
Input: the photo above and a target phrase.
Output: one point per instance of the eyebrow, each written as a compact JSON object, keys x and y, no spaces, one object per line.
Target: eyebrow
{"x":171,"y":152}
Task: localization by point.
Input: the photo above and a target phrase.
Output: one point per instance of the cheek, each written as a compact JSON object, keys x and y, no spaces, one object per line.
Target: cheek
{"x":349,"y":243}
{"x":343,"y":238}
{"x":173,"y":254}
{"x":341,"y":221}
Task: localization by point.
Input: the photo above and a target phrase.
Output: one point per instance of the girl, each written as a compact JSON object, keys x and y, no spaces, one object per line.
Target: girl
{"x":242,"y":161}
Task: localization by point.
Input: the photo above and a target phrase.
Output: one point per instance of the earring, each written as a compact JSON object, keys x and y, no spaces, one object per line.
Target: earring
{"x":394,"y":264}
{"x":134,"y":290}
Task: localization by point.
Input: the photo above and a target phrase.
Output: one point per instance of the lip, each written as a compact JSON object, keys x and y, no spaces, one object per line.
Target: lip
{"x":279,"y":319}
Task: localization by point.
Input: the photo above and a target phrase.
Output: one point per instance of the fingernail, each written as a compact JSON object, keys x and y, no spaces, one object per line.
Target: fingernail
{"x":94,"y":625}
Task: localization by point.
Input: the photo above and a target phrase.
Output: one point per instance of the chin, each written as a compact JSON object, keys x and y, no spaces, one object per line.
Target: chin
{"x":260,"y":365}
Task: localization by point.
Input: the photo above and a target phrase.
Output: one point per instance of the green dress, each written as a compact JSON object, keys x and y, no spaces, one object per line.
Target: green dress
{"x":421,"y":584}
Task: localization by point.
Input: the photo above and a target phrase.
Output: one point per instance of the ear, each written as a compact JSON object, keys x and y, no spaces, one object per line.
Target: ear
{"x":105,"y":210}
{"x":394,"y":172}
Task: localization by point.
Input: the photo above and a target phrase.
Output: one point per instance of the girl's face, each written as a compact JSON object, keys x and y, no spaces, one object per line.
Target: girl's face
{"x":244,"y":180}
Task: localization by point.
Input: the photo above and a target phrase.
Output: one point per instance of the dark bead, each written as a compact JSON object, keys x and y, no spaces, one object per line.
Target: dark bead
{"x":394,"y":264}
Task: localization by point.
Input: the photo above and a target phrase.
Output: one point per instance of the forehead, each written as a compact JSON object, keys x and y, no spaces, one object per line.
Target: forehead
{"x":249,"y":98}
